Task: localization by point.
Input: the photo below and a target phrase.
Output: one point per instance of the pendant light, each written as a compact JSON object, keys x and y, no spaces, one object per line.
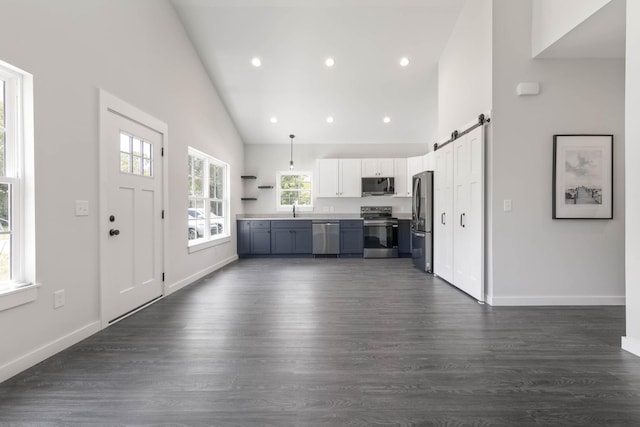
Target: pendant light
{"x":291,"y":161}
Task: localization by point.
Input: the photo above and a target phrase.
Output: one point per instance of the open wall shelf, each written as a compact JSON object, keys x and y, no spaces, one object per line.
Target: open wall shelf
{"x":260,"y":187}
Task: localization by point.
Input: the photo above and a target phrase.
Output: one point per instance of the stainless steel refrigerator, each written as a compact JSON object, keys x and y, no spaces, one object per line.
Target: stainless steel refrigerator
{"x":422,"y":221}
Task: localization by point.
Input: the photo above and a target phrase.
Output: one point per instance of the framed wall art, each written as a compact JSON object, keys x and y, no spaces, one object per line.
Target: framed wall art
{"x":583,"y":176}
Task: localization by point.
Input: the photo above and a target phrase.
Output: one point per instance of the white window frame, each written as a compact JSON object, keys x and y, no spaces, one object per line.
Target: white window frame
{"x":281,"y":207}
{"x":21,"y":287}
{"x":209,"y":240}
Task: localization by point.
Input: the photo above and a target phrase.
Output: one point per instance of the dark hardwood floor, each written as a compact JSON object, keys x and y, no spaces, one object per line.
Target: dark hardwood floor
{"x":336,"y":342}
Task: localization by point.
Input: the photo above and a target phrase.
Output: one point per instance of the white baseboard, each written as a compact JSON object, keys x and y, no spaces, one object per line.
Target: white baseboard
{"x":198,"y":275}
{"x":632,"y":345}
{"x":38,"y":355}
{"x":555,"y":300}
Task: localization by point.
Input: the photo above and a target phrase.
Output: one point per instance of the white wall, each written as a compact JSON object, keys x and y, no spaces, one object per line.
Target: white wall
{"x":538,"y":260}
{"x":464,"y":70}
{"x":553,"y":19}
{"x":264,"y":161}
{"x":139,"y":52}
{"x":632,"y":340}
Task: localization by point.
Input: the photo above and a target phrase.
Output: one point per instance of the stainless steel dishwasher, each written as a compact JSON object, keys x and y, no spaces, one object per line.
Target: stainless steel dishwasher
{"x":326,"y":237}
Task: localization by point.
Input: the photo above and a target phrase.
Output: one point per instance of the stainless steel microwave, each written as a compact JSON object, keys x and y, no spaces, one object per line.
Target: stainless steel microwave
{"x":381,"y":186}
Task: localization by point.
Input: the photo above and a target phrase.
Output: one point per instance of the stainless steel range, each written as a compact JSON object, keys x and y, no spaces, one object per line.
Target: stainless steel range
{"x":380,"y":232}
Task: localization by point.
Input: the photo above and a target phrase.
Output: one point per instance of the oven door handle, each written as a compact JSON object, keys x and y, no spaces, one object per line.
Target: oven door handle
{"x":380,"y":222}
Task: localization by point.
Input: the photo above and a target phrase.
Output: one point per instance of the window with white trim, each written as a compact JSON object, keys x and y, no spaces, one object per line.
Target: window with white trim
{"x":294,"y":188}
{"x":11,"y":178}
{"x":208,"y":211}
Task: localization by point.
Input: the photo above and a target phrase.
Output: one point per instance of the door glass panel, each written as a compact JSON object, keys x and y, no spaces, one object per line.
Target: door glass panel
{"x":125,"y":143}
{"x":146,"y":167}
{"x":135,"y":156}
{"x":125,"y":162}
{"x":136,"y":147}
{"x":146,"y":150}
{"x":135,"y":166}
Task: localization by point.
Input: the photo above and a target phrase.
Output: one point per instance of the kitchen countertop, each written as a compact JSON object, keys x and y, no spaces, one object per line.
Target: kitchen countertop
{"x":308,"y":216}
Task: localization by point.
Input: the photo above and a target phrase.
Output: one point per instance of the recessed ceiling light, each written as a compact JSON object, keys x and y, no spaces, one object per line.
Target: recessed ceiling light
{"x":273,"y":120}
{"x":386,"y":119}
{"x":256,"y":62}
{"x":404,"y":61}
{"x":329,"y":62}
{"x":330,"y":119}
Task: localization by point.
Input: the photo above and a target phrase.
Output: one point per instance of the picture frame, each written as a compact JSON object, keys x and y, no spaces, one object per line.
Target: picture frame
{"x":583,"y":176}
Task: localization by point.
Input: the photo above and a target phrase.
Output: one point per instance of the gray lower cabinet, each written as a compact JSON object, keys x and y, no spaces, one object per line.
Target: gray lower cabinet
{"x":351,"y":237}
{"x":244,"y":237}
{"x":404,"y":237}
{"x":291,"y":237}
{"x":254,"y":237}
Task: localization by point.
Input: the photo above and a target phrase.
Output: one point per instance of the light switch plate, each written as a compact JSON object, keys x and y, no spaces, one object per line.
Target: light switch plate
{"x":507,"y":205}
{"x":82,"y":207}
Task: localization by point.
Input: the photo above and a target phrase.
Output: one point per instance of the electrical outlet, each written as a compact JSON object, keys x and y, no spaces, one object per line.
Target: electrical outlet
{"x":58,"y":298}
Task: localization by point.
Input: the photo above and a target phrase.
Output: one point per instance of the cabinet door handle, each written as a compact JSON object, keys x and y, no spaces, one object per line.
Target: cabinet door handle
{"x":462,"y":218}
{"x":442,"y":219}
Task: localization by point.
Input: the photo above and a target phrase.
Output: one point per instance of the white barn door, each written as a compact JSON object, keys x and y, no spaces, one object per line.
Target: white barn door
{"x":468,"y":228}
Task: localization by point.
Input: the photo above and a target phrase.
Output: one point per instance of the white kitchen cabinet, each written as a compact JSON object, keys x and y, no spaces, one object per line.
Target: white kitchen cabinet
{"x":372,"y":168}
{"x":400,"y":181}
{"x":459,"y":213}
{"x":338,"y":178}
{"x":414,"y":166}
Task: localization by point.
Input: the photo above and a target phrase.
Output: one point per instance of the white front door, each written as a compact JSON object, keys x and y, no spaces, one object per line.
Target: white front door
{"x":131,"y":241}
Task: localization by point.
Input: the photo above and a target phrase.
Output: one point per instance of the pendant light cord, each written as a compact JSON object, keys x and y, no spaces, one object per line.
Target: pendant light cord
{"x":291,"y":159}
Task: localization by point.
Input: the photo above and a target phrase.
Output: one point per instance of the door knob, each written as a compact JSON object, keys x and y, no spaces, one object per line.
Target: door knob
{"x":114,"y":232}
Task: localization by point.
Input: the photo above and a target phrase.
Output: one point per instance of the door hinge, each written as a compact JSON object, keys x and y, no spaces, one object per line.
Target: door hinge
{"x":162,"y":215}
{"x":162,"y":151}
{"x":163,"y":276}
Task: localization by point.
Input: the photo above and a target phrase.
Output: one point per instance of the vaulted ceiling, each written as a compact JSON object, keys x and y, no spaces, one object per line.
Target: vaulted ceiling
{"x":295,"y":88}
{"x":367,"y":96}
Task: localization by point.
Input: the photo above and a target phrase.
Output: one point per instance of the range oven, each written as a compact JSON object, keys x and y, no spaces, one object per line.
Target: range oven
{"x":380,"y":232}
